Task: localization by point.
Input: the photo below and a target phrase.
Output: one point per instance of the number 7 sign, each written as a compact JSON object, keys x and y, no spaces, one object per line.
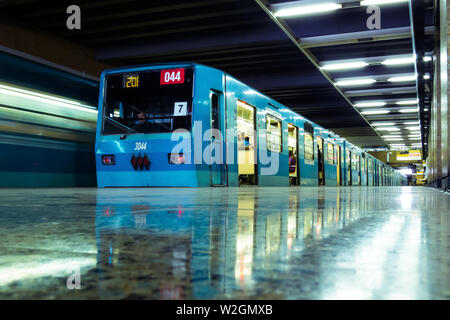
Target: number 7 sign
{"x":180,"y":109}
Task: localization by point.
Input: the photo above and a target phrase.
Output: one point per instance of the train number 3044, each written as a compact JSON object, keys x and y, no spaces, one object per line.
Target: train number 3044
{"x":140,"y":146}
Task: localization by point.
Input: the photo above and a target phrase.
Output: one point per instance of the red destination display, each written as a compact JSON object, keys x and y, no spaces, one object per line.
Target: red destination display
{"x":172,"y":76}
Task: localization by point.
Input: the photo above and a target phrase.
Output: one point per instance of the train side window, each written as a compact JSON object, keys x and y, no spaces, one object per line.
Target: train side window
{"x":309,"y":142}
{"x":273,"y":134}
{"x":330,"y":154}
{"x":354,"y":162}
{"x":309,"y":147}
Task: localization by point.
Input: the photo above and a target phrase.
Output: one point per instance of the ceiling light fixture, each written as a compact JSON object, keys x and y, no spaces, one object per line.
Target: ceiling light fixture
{"x":370,"y":104}
{"x":307,"y":9}
{"x":394,"y":139}
{"x":409,"y":110}
{"x":406,"y":102}
{"x":345,"y":65}
{"x":403,"y":79}
{"x":398,"y":145}
{"x":375,"y":112}
{"x":380,"y":2}
{"x":377,"y":124}
{"x":411,"y":122}
{"x":398,"y":61}
{"x":388,"y":129}
{"x":355,"y":82}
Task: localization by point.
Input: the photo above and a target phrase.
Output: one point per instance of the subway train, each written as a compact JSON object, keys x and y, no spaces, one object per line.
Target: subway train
{"x":190,"y":125}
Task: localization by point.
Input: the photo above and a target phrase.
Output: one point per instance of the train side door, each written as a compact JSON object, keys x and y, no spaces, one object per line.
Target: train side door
{"x":293,"y":155}
{"x":247,"y":148}
{"x":338,"y":166}
{"x":359,"y":169}
{"x":349,"y":168}
{"x":217,"y":170}
{"x":321,"y":165}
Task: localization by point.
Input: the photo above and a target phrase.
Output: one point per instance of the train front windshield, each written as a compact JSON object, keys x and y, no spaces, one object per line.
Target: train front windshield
{"x":157,"y":101}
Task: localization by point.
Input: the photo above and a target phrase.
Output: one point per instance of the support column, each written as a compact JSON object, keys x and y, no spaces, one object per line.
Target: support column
{"x":438,"y":160}
{"x":445,"y":114}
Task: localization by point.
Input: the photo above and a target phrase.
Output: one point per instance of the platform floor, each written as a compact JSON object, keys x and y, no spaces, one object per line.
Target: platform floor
{"x":249,"y":242}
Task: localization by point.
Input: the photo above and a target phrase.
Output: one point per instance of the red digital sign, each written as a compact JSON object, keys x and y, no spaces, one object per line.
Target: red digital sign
{"x":172,"y":76}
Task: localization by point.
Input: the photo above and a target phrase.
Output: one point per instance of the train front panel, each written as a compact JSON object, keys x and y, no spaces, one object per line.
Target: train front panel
{"x":145,"y":124}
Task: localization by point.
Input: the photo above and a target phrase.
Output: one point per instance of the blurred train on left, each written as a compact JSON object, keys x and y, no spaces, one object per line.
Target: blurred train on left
{"x":47,"y":126}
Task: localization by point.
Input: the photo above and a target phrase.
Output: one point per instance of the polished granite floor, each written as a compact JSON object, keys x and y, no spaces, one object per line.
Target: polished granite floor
{"x":222,"y":243}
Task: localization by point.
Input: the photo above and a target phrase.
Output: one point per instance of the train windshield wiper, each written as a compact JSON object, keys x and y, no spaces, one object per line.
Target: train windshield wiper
{"x":120,"y":125}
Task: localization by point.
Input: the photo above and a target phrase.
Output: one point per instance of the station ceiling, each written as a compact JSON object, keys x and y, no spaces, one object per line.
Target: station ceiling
{"x":283,"y":57}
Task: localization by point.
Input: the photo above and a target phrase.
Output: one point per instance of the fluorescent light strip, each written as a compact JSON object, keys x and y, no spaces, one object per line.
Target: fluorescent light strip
{"x":345,"y":65}
{"x":388,"y":129}
{"x":394,"y":139}
{"x":413,"y":128}
{"x":380,"y":2}
{"x":410,"y":110}
{"x":426,"y":77}
{"x":355,"y":82}
{"x":370,"y":104}
{"x":427,"y":59}
{"x":377,"y":124}
{"x":304,"y":10}
{"x":398,"y":61}
{"x":402,"y":79}
{"x":407,"y":102}
{"x":411,"y":122}
{"x":376,"y":112}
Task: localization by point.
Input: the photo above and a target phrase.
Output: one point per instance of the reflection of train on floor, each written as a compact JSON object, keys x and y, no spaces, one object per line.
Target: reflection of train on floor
{"x":140,"y":107}
{"x":168,"y":245}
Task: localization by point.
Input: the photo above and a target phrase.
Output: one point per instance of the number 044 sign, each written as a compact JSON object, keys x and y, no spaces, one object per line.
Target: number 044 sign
{"x":180,"y":109}
{"x":172,"y":76}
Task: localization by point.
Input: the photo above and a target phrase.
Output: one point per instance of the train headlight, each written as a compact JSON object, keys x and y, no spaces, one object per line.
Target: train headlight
{"x":108,"y":160}
{"x":176,"y":158}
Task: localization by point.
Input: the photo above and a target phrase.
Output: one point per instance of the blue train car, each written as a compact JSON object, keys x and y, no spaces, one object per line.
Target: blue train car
{"x":185,"y":124}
